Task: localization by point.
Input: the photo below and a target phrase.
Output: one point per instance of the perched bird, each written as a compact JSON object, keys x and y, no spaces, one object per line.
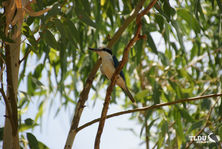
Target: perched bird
{"x":109,"y":65}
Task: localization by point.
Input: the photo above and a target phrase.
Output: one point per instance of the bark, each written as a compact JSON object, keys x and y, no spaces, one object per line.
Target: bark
{"x":10,"y":138}
{"x":14,"y":20}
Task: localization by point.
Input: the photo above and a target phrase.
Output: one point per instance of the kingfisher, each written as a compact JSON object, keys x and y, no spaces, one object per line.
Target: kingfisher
{"x":108,"y":67}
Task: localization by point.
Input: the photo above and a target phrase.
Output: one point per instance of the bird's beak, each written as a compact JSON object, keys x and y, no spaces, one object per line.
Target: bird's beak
{"x":95,"y":49}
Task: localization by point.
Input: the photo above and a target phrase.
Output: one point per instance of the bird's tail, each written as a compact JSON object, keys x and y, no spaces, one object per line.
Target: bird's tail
{"x":126,"y":90}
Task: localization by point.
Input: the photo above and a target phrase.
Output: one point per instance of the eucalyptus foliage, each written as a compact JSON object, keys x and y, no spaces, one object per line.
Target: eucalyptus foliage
{"x":181,"y":57}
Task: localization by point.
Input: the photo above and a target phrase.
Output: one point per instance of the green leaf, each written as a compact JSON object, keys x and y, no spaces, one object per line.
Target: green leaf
{"x":139,"y":51}
{"x":50,"y":39}
{"x":189,"y":18}
{"x":163,"y":59}
{"x":29,"y":121}
{"x":151,"y":43}
{"x":142,"y":94}
{"x":178,"y":127}
{"x":82,"y":15}
{"x":37,"y":83}
{"x":159,"y":19}
{"x":29,"y":35}
{"x":168,"y":10}
{"x":54,"y":11}
{"x":30,"y":86}
{"x":164,"y":127}
{"x":156,"y":93}
{"x":176,"y":88}
{"x":179,"y":35}
{"x":33,"y":142}
{"x":146,"y":123}
{"x":38,"y":71}
{"x":151,"y":124}
{"x":42,"y":146}
{"x":205,"y":104}
{"x":72,"y":31}
{"x":185,"y":114}
{"x":196,"y":125}
{"x":29,"y":124}
{"x":60,"y":26}
{"x":40,"y":110}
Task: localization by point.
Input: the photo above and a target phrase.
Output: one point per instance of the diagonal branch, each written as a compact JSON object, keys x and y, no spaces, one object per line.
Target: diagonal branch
{"x":136,"y":37}
{"x":80,"y":105}
{"x":25,"y":56}
{"x":149,"y":108}
{"x":110,"y":88}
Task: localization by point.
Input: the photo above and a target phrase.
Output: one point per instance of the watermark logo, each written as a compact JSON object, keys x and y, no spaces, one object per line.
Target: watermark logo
{"x":210,"y":138}
{"x":213,"y":138}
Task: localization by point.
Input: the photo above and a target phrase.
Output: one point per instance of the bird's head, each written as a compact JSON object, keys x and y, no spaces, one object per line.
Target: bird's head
{"x":102,"y":51}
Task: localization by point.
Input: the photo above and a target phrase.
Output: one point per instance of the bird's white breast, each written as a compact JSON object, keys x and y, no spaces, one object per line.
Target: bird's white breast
{"x":107,"y":66}
{"x":108,"y":69}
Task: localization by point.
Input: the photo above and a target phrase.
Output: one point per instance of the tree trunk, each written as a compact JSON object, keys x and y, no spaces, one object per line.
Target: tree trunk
{"x":11,"y":137}
{"x":14,"y":20}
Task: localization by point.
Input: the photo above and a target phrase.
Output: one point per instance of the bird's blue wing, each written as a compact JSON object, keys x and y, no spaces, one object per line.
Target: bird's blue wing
{"x":116,"y":63}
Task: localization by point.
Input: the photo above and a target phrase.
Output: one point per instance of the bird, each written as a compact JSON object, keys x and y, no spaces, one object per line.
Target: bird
{"x":108,"y":67}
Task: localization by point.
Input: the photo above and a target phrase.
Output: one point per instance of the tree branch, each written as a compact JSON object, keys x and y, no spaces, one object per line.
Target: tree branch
{"x":80,"y":105}
{"x":117,"y":71}
{"x":25,"y":56}
{"x":149,"y":108}
{"x":110,"y":88}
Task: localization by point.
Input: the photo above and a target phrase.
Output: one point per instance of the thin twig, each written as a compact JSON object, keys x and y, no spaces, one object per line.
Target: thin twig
{"x":206,"y":124}
{"x":25,"y":56}
{"x":149,"y":108}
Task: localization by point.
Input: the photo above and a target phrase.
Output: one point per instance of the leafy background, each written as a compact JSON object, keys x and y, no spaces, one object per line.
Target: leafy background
{"x":180,"y":58}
